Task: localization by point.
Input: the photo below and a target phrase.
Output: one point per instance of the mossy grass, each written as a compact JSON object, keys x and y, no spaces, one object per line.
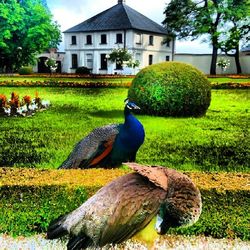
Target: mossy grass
{"x":40,"y":196}
{"x":218,"y":141}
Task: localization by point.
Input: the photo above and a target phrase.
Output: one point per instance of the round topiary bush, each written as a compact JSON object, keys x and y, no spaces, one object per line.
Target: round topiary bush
{"x":171,"y":89}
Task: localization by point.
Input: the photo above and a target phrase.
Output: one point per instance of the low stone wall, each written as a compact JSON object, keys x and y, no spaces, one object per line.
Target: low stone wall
{"x":203,"y":61}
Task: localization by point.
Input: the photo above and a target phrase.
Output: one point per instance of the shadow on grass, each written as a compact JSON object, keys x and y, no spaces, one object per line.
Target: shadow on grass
{"x":77,"y":91}
{"x":107,"y":114}
{"x":67,"y":109}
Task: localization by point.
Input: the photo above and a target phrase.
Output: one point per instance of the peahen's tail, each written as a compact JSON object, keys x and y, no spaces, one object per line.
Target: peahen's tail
{"x":56,"y":228}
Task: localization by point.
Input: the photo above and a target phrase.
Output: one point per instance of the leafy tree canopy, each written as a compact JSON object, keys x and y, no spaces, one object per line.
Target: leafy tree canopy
{"x":26,"y":29}
{"x":216,"y":18}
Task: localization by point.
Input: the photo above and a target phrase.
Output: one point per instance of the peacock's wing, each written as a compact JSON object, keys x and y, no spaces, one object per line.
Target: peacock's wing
{"x":93,"y":148}
{"x":156,"y":175}
{"x":137,"y":202}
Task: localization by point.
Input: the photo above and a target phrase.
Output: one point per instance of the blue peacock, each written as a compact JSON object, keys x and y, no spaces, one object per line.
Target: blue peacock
{"x":110,"y":145}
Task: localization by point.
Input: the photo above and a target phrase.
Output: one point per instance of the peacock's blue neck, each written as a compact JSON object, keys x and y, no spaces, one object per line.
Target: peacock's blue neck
{"x":134,"y":128}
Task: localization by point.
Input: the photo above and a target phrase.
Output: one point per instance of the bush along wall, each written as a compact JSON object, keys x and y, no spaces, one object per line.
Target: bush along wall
{"x":27,"y":210}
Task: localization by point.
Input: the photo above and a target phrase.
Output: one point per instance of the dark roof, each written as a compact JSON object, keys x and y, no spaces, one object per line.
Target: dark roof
{"x":118,"y":17}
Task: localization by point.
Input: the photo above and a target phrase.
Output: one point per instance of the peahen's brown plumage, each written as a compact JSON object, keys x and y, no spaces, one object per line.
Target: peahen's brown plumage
{"x":126,"y":205}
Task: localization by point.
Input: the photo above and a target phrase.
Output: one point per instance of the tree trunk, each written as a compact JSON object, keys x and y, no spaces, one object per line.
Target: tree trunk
{"x":214,"y":60}
{"x":237,"y":60}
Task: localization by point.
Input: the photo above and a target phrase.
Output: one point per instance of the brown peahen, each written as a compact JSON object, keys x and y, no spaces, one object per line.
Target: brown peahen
{"x":126,"y":205}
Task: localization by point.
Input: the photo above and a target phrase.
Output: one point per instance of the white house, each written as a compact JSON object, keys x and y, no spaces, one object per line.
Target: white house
{"x":89,"y":43}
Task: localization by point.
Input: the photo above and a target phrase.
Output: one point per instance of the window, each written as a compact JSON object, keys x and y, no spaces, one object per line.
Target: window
{"x":103,"y":39}
{"x":119,"y":38}
{"x":138,"y":39}
{"x":104,"y":64}
{"x":138,"y":56}
{"x":167,"y":58}
{"x":73,"y":40}
{"x":150,"y":59}
{"x":88,"y":39}
{"x":118,"y":66}
{"x":74,"y":61}
{"x":89,"y":61}
{"x":168,"y":44}
{"x":151,"y":40}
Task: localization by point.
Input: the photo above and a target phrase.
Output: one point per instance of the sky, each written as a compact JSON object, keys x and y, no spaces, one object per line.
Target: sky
{"x":69,"y":13}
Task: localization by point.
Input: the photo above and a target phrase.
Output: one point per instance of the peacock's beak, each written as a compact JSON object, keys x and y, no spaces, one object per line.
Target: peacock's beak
{"x":134,"y":106}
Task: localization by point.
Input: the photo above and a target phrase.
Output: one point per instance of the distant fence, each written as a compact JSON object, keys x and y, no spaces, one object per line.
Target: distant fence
{"x":203,"y":61}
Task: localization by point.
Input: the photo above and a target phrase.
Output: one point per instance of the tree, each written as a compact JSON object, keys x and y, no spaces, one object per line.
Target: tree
{"x":237,"y":17}
{"x":191,"y":19}
{"x":26,"y":29}
{"x":119,"y":56}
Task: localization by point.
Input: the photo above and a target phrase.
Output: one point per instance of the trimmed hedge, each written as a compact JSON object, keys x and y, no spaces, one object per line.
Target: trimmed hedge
{"x":171,"y":89}
{"x":27,"y":208}
{"x":25,"y":70}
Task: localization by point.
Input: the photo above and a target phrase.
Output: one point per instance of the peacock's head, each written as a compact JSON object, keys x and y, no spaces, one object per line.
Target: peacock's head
{"x":130,"y":105}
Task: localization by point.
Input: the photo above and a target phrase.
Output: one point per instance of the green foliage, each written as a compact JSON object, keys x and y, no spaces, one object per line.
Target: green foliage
{"x":120,"y":55}
{"x":27,"y":210}
{"x":190,"y":19}
{"x":218,"y":141}
{"x":224,"y":215}
{"x":25,"y":70}
{"x":26,"y":30}
{"x":171,"y":89}
{"x":51,"y":64}
{"x":83,"y":71}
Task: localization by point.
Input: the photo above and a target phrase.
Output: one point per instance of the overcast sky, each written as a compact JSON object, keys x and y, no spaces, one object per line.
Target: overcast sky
{"x":69,"y":13}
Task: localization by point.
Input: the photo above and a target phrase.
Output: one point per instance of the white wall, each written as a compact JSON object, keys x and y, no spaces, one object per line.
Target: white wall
{"x":139,"y":51}
{"x":202,"y":62}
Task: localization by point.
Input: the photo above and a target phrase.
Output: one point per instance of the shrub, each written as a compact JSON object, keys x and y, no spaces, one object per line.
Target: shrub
{"x":83,"y":70}
{"x":171,"y":89}
{"x":25,"y":71}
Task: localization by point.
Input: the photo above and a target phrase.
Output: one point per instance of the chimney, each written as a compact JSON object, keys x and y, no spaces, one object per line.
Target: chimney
{"x":121,"y":1}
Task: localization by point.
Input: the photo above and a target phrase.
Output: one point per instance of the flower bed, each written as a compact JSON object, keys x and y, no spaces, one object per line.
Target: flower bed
{"x":231,"y":85}
{"x":54,"y":83}
{"x":24,"y":107}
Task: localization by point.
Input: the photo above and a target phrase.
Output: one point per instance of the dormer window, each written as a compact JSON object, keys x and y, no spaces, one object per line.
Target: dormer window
{"x":151,"y":40}
{"x":103,"y":39}
{"x":119,"y":38}
{"x":88,"y":39}
{"x":73,"y":40}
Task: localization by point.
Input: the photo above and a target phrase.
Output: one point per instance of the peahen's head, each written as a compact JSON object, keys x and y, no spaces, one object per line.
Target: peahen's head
{"x":129,"y":106}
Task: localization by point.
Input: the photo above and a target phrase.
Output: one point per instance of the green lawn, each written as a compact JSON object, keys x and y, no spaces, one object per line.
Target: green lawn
{"x":219,"y":141}
{"x":227,"y":79}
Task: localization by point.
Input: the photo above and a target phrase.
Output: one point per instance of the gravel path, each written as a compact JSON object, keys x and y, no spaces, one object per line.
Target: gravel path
{"x":168,"y":242}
